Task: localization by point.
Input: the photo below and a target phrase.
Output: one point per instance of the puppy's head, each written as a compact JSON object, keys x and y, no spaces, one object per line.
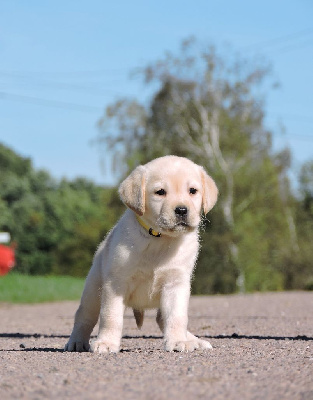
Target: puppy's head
{"x":169,"y":193}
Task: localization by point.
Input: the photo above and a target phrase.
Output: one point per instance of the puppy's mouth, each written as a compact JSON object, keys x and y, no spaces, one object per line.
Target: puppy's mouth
{"x":183,"y":224}
{"x":179,"y":226}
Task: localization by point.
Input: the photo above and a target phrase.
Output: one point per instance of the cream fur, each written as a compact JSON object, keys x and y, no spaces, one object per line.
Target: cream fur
{"x":133,"y":269}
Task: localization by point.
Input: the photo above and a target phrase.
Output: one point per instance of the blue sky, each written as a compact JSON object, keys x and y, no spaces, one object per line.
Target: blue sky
{"x":62,"y":62}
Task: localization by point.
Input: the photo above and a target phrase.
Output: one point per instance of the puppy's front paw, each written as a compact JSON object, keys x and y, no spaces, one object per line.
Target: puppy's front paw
{"x":187,"y":345}
{"x":77,"y":345}
{"x":104,"y":346}
{"x":182,"y":345}
{"x":204,"y":344}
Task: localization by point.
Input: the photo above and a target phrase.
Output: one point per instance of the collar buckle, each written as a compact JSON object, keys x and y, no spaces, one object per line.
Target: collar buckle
{"x":154,"y":233}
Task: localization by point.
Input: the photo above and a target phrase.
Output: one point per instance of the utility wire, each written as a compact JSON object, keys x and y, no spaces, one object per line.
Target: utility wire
{"x":52,"y":74}
{"x":295,"y":136}
{"x":93,"y":88}
{"x":286,"y":49}
{"x":303,"y":118}
{"x":279,"y":40}
{"x":49,"y":103}
{"x":86,"y":108}
{"x":28,"y":75}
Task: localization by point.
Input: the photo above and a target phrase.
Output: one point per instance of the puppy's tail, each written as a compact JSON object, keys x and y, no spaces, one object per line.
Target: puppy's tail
{"x":138,"y":314}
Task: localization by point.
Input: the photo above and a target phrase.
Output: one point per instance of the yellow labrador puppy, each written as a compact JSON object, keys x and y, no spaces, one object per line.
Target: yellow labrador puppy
{"x":147,"y":259}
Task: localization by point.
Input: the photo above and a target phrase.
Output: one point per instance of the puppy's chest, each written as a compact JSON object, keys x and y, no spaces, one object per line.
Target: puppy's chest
{"x":154,"y":256}
{"x":153,"y":267}
{"x":143,"y":289}
{"x":157,"y":254}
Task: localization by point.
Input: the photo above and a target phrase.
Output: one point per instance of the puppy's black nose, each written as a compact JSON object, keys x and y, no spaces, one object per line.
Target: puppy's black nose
{"x":181,"y":210}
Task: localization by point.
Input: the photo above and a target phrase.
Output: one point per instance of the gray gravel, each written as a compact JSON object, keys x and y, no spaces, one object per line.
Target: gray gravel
{"x":262,"y":349}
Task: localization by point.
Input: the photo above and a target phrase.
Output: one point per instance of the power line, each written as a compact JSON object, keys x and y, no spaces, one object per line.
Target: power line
{"x":279,"y":40}
{"x":94,"y":88}
{"x":286,"y":49}
{"x":291,"y":136}
{"x":88,"y":87}
{"x":91,"y":109}
{"x":49,"y":103}
{"x":97,"y":72}
{"x":302,"y":118}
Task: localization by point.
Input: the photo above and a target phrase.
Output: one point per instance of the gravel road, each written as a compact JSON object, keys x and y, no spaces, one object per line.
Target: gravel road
{"x":262,"y":349}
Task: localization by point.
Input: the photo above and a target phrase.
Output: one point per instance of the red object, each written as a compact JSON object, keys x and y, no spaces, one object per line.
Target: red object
{"x":7,"y":259}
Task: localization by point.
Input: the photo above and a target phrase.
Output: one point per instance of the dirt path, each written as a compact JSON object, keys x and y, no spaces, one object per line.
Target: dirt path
{"x":263,"y":349}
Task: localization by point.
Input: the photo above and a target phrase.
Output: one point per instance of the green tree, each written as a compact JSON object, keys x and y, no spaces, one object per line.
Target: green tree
{"x":210,"y":108}
{"x":299,"y":267}
{"x":56,"y":225}
{"x":75,"y":253}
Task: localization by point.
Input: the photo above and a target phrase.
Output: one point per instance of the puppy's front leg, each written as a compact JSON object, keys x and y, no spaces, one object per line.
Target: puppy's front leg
{"x":172,"y":319}
{"x":174,"y":311}
{"x":110,"y":324}
{"x":87,"y":314}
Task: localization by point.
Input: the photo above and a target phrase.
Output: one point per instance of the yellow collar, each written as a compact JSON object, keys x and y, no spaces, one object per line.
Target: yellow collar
{"x":150,"y":230}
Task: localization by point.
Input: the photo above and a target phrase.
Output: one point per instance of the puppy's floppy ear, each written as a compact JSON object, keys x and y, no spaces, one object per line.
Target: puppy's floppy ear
{"x":210,"y":192}
{"x":132,"y":190}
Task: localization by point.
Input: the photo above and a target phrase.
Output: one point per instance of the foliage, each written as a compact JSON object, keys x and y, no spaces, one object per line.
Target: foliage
{"x":210,"y":108}
{"x":57,"y":225}
{"x":298,"y":267}
{"x":76,"y":251}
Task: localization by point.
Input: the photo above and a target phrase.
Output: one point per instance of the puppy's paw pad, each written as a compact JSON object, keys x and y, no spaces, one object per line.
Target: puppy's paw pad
{"x":104,"y":346}
{"x":77,"y":346}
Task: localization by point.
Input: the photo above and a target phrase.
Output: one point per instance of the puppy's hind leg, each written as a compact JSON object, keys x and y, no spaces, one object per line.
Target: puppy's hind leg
{"x":138,"y":314}
{"x":159,"y":320}
{"x":87,"y":314}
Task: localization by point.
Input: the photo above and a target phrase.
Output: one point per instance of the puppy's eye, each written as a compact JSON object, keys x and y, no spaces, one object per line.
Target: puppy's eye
{"x":161,"y":192}
{"x":193,"y":191}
